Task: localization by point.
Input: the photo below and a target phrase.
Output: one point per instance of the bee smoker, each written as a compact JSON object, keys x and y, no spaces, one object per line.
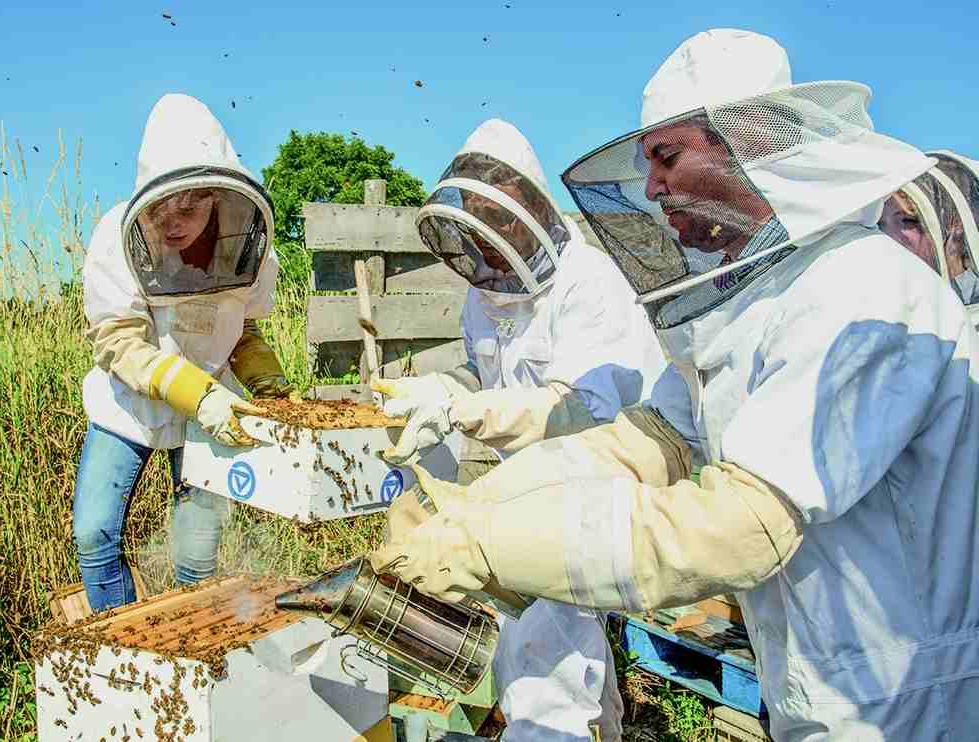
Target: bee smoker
{"x":453,"y":643}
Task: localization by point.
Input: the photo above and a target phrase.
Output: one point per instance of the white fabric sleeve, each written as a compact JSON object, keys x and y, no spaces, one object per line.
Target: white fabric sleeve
{"x":670,"y":396}
{"x":842,"y":388}
{"x":120,"y":323}
{"x":603,"y":345}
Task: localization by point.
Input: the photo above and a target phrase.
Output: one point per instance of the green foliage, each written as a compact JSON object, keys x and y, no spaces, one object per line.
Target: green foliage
{"x":318,"y":166}
{"x":655,"y":709}
{"x":18,"y":710}
{"x":295,"y":266}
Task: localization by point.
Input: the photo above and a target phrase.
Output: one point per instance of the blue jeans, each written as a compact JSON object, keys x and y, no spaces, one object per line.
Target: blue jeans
{"x":109,"y":470}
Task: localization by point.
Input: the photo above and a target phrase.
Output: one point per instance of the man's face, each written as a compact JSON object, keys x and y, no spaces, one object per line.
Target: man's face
{"x":181,"y":218}
{"x":902,"y":225}
{"x":700,"y":189}
{"x":509,"y":227}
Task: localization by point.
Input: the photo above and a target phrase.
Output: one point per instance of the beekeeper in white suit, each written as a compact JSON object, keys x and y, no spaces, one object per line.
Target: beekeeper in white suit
{"x":174,"y":281}
{"x":935,"y":218}
{"x":833,"y":379}
{"x":959,"y":176}
{"x":555,"y":343}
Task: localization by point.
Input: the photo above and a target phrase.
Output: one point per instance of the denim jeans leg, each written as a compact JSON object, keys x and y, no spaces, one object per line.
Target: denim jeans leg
{"x":109,"y":469}
{"x":195,"y":527}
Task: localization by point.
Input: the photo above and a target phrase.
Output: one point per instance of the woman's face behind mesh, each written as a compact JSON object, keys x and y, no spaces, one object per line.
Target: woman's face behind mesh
{"x":181,"y":218}
{"x":900,"y":222}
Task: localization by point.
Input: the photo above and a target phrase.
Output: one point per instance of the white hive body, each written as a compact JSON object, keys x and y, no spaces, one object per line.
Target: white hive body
{"x":219,"y":663}
{"x":308,"y":474}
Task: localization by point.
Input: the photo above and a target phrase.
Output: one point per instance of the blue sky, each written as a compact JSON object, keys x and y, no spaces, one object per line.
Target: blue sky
{"x":569,"y":75}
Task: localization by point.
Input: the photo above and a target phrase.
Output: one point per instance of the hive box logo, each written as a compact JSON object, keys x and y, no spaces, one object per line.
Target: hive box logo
{"x":241,"y":481}
{"x":392,"y":485}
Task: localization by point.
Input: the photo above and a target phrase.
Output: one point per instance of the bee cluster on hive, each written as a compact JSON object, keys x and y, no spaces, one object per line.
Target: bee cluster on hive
{"x":318,"y":414}
{"x":178,"y":639}
{"x":291,"y":422}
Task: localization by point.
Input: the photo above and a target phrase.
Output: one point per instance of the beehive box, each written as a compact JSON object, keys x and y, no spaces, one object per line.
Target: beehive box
{"x":316,"y":460}
{"x":218,"y":662}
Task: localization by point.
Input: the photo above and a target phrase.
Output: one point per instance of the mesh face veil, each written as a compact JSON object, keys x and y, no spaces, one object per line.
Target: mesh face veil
{"x":735,"y":167}
{"x":959,"y":178}
{"x":692,"y":208}
{"x":493,"y":226}
{"x":923,"y":218}
{"x":197,"y":231}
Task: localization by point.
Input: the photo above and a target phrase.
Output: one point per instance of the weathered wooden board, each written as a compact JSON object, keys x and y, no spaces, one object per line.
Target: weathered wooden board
{"x":359,"y":228}
{"x":396,"y":316}
{"x":440,"y":354}
{"x":402,"y":272}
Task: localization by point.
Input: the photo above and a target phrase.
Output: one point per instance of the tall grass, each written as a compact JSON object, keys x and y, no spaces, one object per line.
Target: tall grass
{"x":43,"y":359}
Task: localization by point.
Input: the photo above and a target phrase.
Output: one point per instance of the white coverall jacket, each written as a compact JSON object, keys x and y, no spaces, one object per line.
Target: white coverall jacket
{"x":180,"y":132}
{"x":553,"y":667}
{"x":852,"y":387}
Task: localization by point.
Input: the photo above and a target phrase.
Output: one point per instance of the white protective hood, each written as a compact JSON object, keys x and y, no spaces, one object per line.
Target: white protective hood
{"x":185,"y":147}
{"x":495,"y":181}
{"x":809,"y":150}
{"x":505,"y":142}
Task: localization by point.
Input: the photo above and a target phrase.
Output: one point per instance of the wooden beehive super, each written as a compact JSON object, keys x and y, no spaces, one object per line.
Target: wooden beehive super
{"x":218,"y":662}
{"x":315,"y":460}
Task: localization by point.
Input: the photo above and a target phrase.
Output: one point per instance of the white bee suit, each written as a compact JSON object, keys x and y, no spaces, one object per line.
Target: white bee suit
{"x":583,"y":332}
{"x":183,"y":147}
{"x":841,"y":373}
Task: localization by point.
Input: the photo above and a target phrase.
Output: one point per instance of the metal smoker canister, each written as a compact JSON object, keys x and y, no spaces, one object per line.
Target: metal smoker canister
{"x":453,"y":643}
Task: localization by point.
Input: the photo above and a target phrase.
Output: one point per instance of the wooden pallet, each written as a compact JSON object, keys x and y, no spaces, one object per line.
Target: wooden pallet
{"x":735,"y":726}
{"x":712,"y":658}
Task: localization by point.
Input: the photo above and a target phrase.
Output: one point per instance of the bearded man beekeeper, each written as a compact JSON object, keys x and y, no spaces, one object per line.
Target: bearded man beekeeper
{"x":555,"y":344}
{"x":833,"y":385}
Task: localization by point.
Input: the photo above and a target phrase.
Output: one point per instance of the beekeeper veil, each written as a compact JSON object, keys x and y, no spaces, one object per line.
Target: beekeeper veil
{"x":960,"y":178}
{"x":918,"y":216}
{"x":198,"y":222}
{"x":491,"y":217}
{"x":738,"y":167}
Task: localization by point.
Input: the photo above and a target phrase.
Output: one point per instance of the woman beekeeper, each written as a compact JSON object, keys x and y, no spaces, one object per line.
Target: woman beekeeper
{"x":175,"y":280}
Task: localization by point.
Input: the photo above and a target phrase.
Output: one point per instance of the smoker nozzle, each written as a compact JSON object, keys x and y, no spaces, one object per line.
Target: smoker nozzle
{"x":323,"y":595}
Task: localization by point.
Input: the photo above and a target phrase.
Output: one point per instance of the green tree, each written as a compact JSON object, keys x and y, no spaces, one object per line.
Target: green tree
{"x":328,"y":167}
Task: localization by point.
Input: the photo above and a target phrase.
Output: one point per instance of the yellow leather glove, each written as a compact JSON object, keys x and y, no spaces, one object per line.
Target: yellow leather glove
{"x":603,"y":543}
{"x":255,"y":365}
{"x":194,"y":393}
{"x":418,"y":504}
